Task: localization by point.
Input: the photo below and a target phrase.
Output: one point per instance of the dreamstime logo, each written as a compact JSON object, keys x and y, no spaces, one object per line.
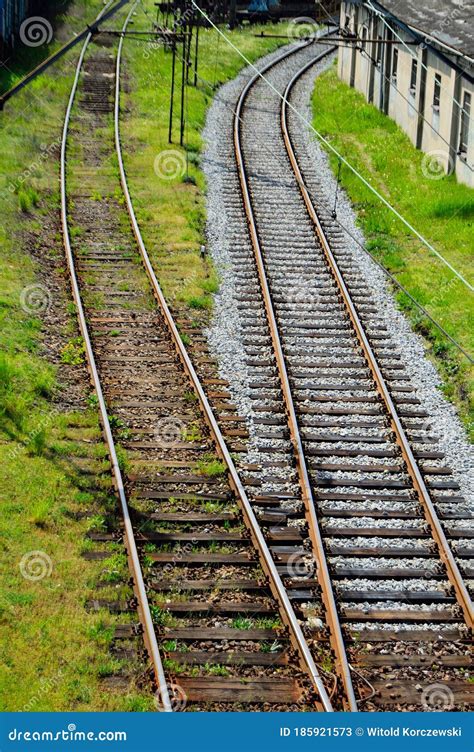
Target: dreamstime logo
{"x":301,"y":566}
{"x":437,"y":698}
{"x":35,"y":31}
{"x":36,"y":565}
{"x":169,"y":431}
{"x":178,"y":698}
{"x":436,"y":164}
{"x":447,"y":431}
{"x":170,"y":164}
{"x":35,"y":299}
{"x":302,"y":28}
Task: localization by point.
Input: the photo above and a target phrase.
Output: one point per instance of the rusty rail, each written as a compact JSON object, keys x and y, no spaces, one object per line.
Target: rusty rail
{"x":437,"y":531}
{"x":130,"y":543}
{"x":265,"y":557}
{"x":336,"y":636}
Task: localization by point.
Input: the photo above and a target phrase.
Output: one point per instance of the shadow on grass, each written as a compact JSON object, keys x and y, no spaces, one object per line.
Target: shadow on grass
{"x":446,"y":209}
{"x":22,"y":59}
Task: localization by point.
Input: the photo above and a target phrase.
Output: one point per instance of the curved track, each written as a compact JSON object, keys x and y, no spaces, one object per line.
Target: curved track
{"x":365,"y":476}
{"x":170,"y":513}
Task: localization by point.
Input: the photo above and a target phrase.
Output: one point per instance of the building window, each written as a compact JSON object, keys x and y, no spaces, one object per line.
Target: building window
{"x":414,"y":72}
{"x":436,"y":91}
{"x":394,"y":64}
{"x":465,"y":122}
{"x":378,"y":53}
{"x":364,"y":37}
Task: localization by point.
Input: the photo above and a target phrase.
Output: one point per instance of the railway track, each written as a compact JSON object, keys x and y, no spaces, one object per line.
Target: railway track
{"x":247,"y":592}
{"x":372,"y":498}
{"x":218,"y":625}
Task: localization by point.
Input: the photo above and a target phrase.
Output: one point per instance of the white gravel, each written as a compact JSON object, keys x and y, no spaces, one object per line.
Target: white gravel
{"x":413,"y":585}
{"x":228,"y":333}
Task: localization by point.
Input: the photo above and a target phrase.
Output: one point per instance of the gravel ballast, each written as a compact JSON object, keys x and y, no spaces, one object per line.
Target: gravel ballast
{"x":226,"y":335}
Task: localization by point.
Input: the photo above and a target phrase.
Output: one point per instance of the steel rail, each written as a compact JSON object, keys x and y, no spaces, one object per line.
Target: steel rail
{"x":266,"y":560}
{"x":129,"y":538}
{"x":336,"y":636}
{"x":419,"y":484}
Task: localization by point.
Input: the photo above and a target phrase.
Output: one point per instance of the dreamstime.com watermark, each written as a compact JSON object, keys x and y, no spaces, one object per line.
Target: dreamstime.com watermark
{"x":47,"y":151}
{"x":35,"y":299}
{"x":43,"y":423}
{"x":436,"y":164}
{"x":170,"y":164}
{"x":36,"y":31}
{"x":71,"y":734}
{"x":178,"y":699}
{"x":36,"y":565}
{"x":302,"y":28}
{"x":438,"y":698}
{"x":168,"y":35}
{"x":170,"y":431}
{"x":46,"y":685}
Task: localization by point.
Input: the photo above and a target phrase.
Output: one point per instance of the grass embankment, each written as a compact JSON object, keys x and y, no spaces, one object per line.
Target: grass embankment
{"x":170,"y":202}
{"x":441,"y":210}
{"x":54,"y":653}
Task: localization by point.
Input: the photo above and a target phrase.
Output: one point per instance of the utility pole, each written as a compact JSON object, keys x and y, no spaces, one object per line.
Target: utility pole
{"x":196,"y":52}
{"x":183,"y":84}
{"x":189,"y":30}
{"x":173,"y":67}
{"x":232,"y":14}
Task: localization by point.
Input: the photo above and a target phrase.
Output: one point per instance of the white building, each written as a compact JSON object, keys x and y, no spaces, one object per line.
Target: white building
{"x":415,"y":62}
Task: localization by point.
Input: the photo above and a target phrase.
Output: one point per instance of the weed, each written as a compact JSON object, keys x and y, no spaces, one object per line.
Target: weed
{"x":93,"y":400}
{"x":37,"y":444}
{"x":192,"y":433}
{"x":212,"y":468}
{"x":115,"y":422}
{"x":200,"y":302}
{"x":170,"y":646}
{"x":216,"y":670}
{"x":116,"y":569}
{"x":190,"y":397}
{"x":73,"y":352}
{"x":210,"y":285}
{"x":268,"y":623}
{"x":241,"y":622}
{"x":122,"y":458}
{"x":27,"y":197}
{"x":161,"y":616}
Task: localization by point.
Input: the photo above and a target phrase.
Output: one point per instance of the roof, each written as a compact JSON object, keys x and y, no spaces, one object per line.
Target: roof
{"x":449,"y":21}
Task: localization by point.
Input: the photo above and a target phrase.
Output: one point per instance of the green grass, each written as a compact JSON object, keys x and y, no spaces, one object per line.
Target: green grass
{"x":441,"y":210}
{"x":212,"y":467}
{"x":54,"y":652}
{"x":171,"y":211}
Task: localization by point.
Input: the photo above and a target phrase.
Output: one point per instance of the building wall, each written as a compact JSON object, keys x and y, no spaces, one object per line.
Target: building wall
{"x":434,"y":129}
{"x":12,"y":13}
